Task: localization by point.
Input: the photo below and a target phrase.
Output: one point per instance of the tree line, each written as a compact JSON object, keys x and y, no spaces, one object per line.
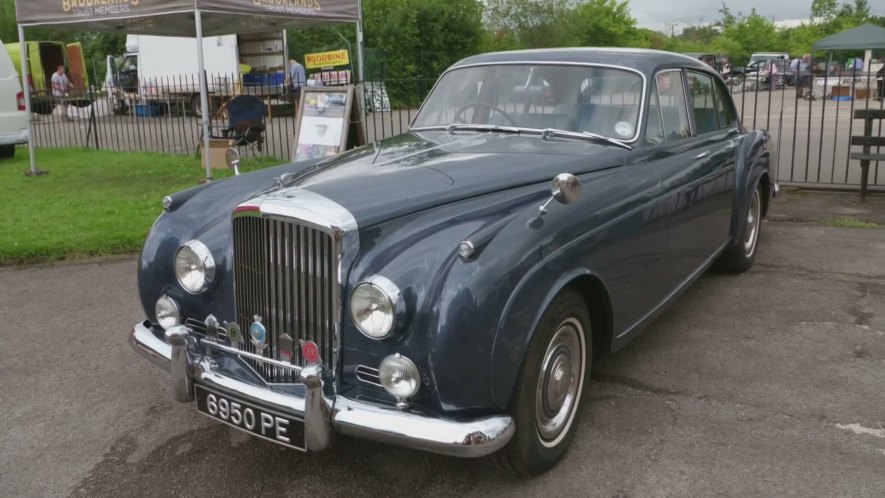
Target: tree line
{"x":418,"y":39}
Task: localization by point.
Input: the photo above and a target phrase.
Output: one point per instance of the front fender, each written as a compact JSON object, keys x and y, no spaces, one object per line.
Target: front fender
{"x":522,"y":314}
{"x":453,"y":305}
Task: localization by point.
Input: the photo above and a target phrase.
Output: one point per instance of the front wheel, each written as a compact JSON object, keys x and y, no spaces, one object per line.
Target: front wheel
{"x":740,"y":257}
{"x":548,"y":395}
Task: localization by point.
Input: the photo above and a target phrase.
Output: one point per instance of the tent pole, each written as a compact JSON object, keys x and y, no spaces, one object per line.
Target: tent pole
{"x":360,"y":55}
{"x":204,"y":93}
{"x":26,"y":86}
{"x":286,"y":56}
{"x":359,"y":42}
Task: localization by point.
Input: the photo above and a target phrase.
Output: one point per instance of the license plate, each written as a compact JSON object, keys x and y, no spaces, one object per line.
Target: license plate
{"x":266,"y":424}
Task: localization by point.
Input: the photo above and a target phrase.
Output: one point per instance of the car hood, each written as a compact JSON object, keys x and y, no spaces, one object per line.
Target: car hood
{"x":419,"y":171}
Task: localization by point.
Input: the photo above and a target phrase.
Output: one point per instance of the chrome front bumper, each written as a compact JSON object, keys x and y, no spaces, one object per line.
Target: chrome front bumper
{"x":183,"y":354}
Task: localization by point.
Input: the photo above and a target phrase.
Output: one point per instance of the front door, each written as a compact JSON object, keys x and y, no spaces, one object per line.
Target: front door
{"x":703,"y":186}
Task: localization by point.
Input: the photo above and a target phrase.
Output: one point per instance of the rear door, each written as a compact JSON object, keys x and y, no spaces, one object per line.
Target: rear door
{"x":77,"y":67}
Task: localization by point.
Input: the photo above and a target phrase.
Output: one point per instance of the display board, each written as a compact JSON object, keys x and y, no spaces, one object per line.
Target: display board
{"x":323,"y":124}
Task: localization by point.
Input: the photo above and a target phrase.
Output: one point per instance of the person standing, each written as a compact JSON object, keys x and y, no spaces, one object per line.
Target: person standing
{"x":773,"y":74}
{"x":803,"y":75}
{"x":297,"y":78}
{"x":60,"y":87}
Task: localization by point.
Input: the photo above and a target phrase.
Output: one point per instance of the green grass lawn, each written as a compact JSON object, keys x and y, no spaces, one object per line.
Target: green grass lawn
{"x":92,"y":203}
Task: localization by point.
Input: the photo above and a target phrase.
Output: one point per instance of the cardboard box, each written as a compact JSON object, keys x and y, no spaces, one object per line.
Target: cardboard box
{"x":217,"y":149}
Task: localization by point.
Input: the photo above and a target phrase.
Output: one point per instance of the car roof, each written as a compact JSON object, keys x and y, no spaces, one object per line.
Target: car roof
{"x":644,"y":60}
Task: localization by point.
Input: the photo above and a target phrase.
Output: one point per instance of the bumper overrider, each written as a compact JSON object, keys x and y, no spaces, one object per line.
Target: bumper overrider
{"x":192,"y":360}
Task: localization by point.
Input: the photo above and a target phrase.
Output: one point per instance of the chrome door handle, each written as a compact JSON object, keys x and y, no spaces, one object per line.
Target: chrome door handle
{"x":703,"y":155}
{"x":730,"y":146}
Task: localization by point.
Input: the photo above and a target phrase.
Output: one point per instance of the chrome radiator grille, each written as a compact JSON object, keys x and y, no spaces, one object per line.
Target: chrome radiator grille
{"x":286,"y":273}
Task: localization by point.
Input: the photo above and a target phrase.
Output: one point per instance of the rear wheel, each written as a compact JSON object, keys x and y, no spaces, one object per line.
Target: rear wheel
{"x":549,"y":391}
{"x":7,"y":151}
{"x":740,"y":257}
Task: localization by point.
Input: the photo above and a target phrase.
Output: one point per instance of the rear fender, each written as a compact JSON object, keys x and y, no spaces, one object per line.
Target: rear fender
{"x":752,"y":166}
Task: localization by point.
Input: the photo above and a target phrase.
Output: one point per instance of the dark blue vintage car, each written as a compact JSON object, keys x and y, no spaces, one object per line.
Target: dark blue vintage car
{"x":433,"y":290}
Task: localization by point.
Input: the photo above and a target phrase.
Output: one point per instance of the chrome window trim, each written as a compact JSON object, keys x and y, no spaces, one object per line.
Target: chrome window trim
{"x":642,"y":103}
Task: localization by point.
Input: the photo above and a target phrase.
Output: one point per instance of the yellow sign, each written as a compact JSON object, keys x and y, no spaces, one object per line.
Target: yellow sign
{"x":327,"y":59}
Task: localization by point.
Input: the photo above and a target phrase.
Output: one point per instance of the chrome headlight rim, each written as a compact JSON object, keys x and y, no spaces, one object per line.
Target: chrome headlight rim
{"x":394,"y":297}
{"x":172,"y":306}
{"x":204,"y":255}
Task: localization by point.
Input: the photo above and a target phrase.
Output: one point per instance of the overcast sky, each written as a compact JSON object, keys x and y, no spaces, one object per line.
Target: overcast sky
{"x":654,"y":14}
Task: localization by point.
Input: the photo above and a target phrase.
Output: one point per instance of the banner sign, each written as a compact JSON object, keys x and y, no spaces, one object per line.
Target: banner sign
{"x":69,"y":11}
{"x":145,"y":14}
{"x":343,"y":10}
{"x":327,"y":59}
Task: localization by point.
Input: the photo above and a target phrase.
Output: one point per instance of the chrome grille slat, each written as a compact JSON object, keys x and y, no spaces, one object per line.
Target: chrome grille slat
{"x":284,"y":271}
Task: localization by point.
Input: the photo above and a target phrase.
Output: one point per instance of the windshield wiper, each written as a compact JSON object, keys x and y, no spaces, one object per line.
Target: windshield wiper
{"x":545,"y":133}
{"x":484,"y":127}
{"x":586,"y":135}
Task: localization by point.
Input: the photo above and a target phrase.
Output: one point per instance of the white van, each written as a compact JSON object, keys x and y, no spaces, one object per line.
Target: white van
{"x":13,"y":118}
{"x":767,"y":56}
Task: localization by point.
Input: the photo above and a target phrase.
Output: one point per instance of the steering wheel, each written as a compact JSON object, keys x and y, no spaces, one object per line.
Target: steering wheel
{"x":460,"y":119}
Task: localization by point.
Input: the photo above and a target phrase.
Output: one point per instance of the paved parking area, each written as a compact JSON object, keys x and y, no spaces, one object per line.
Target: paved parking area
{"x":768,"y":383}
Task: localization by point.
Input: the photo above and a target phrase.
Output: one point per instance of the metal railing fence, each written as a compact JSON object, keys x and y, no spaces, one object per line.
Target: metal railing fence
{"x":809,"y":117}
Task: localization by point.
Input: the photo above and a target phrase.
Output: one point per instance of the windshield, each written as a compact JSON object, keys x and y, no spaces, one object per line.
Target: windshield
{"x":582,"y":99}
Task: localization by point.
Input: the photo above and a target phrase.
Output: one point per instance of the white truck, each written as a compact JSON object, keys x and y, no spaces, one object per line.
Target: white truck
{"x":163,"y":71}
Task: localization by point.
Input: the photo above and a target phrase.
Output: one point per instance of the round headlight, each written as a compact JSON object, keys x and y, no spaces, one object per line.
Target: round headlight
{"x":399,"y":376}
{"x":168,"y":313}
{"x":194,"y":267}
{"x":373,"y":306}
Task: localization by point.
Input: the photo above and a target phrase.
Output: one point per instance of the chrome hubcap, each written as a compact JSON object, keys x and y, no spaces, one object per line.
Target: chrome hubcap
{"x":560,"y":382}
{"x":751,"y":233}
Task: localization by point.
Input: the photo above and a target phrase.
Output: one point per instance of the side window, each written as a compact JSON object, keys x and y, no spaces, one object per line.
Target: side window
{"x":667,"y":116}
{"x":724,"y":106}
{"x":703,"y":103}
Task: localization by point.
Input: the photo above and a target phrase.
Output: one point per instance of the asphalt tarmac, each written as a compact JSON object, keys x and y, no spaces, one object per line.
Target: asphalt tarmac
{"x":767,"y":383}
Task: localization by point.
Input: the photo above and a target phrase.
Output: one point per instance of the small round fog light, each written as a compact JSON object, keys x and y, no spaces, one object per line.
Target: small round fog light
{"x":168,"y":313}
{"x":400,"y":377}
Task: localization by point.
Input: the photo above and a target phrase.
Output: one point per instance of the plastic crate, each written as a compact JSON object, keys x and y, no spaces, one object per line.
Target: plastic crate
{"x":148,"y":110}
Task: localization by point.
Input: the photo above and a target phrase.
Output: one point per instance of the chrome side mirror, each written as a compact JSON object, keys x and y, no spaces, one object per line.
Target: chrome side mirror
{"x":566,"y":189}
{"x":232,"y":158}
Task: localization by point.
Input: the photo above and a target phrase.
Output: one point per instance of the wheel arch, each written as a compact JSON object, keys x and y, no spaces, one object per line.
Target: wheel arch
{"x":752,"y":168}
{"x":597,"y":300}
